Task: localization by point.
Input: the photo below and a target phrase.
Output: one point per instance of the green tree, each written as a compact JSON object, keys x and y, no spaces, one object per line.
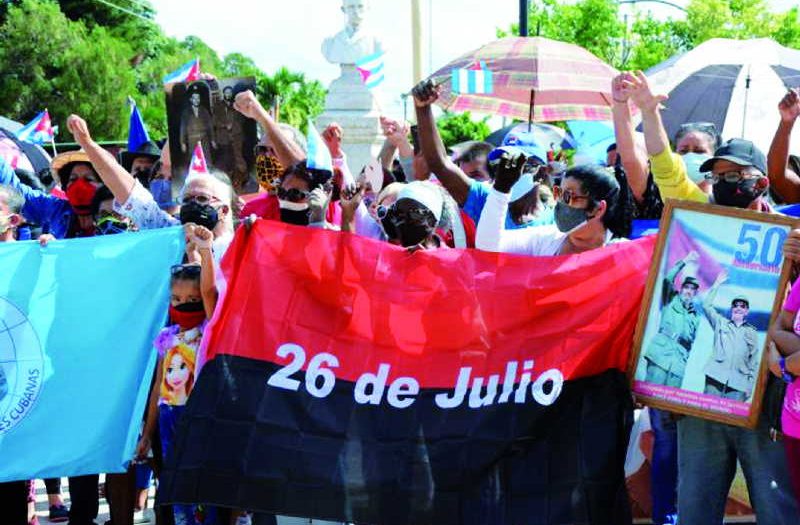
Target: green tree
{"x":460,"y":127}
{"x":296,"y":98}
{"x":640,"y":42}
{"x":49,"y":61}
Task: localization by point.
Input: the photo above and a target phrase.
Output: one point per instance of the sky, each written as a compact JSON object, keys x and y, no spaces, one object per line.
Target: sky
{"x":291,"y":35}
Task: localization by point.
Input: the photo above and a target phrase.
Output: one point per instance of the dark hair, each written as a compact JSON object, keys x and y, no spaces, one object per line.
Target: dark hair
{"x":66,"y":171}
{"x":611,"y":147}
{"x":101,"y":195}
{"x":601,"y":185}
{"x":707,"y":128}
{"x":313,"y":177}
{"x":185,"y":272}
{"x":474,"y":150}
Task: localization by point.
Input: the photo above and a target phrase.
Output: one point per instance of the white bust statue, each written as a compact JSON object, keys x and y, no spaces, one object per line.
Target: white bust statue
{"x":353,"y":42}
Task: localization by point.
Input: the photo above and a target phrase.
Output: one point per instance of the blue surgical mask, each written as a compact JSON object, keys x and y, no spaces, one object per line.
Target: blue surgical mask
{"x":162,"y":192}
{"x":693,"y":161}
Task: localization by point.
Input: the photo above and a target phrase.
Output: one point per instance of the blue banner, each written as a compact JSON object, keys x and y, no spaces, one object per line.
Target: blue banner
{"x":77,"y":322}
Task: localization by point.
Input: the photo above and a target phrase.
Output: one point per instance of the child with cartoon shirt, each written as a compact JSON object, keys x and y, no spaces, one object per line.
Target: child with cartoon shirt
{"x":192,"y":302}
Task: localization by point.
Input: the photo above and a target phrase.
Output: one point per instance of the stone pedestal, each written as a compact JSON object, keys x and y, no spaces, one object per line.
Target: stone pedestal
{"x":355,"y":108}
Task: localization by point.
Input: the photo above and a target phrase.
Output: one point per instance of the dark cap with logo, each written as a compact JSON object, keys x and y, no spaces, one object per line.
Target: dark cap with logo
{"x":739,"y":151}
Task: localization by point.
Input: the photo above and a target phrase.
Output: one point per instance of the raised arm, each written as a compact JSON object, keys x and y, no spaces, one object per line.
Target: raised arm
{"x":491,"y":235}
{"x":785,"y":181}
{"x":202,"y":238}
{"x":286,"y":150}
{"x":634,"y":162}
{"x":712,"y":314}
{"x":118,"y":180}
{"x":452,"y":178}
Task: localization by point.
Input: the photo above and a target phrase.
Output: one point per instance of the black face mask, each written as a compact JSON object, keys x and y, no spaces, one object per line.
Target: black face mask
{"x":738,"y":194}
{"x":194,"y":306}
{"x":569,"y":218}
{"x":296,"y":217}
{"x":201,"y":214}
{"x":143,"y":176}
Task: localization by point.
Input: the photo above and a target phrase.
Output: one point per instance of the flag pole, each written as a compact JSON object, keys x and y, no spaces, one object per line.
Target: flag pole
{"x":53,"y":136}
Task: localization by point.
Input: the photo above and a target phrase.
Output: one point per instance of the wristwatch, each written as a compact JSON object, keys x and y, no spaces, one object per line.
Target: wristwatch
{"x":788,"y":377}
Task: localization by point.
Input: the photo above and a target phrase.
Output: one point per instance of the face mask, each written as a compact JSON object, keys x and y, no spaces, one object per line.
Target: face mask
{"x":693,"y":161}
{"x":201,"y":214}
{"x":296,"y":213}
{"x":143,"y":176}
{"x":268,"y":172}
{"x":187,"y":315}
{"x":569,"y":218}
{"x":110,"y":225}
{"x":739,"y":194}
{"x":161,"y":189}
{"x":80,"y":194}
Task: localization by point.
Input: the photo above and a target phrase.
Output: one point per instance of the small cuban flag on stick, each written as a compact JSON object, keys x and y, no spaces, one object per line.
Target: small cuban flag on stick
{"x":319,"y":158}
{"x":371,"y":69}
{"x":198,"y":164}
{"x":39,"y":131}
{"x":189,"y":72}
{"x":473,"y":81}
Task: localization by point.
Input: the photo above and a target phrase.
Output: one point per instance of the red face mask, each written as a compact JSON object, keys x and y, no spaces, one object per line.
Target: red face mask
{"x":187,"y":315}
{"x":80,"y":194}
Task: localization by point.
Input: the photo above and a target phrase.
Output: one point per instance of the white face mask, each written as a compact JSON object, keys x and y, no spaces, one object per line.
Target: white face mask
{"x":693,"y":161}
{"x":292,"y":206}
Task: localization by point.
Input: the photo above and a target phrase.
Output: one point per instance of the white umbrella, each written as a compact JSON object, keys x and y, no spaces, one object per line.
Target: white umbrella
{"x":736,"y":84}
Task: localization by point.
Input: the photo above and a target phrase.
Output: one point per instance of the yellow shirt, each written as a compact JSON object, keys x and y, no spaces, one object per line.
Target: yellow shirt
{"x":669,"y":174}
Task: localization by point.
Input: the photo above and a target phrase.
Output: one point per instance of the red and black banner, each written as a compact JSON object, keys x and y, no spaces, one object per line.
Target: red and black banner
{"x":350,"y":380}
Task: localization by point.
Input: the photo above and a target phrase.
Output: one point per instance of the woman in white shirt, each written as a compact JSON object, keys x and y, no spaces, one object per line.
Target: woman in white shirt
{"x":587,"y":213}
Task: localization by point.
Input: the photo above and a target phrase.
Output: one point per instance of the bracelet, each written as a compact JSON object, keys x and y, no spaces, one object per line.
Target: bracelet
{"x":785,"y":374}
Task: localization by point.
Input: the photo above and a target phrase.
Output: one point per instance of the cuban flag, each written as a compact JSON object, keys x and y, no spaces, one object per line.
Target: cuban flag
{"x":39,"y":130}
{"x":189,"y":72}
{"x":473,"y":81}
{"x":137,"y":132}
{"x":319,"y":157}
{"x":198,"y":165}
{"x":371,"y":69}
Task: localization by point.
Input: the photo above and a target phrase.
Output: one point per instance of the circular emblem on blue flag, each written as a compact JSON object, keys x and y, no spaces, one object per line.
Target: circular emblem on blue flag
{"x":21,"y":366}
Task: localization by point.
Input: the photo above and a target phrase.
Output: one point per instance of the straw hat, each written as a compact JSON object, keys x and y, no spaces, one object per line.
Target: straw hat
{"x":63,"y":162}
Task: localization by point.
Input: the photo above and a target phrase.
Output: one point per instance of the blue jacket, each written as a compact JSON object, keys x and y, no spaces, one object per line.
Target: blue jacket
{"x":54,"y":215}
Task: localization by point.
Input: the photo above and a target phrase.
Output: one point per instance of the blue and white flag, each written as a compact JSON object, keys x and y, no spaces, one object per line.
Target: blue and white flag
{"x":189,"y":72}
{"x":472,"y":81}
{"x":77,"y":324}
{"x":371,"y":69}
{"x":39,"y":130}
{"x":319,"y":157}
{"x":137,"y":132}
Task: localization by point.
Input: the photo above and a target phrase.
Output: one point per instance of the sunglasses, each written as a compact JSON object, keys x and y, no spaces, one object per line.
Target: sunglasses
{"x":418,"y":215}
{"x":741,"y":304}
{"x":292,"y":195}
{"x":185,"y":270}
{"x":567,"y":196}
{"x":705,"y":127}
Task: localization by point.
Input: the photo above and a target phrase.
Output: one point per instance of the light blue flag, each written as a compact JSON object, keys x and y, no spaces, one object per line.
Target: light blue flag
{"x":318,"y":155}
{"x":77,"y":323}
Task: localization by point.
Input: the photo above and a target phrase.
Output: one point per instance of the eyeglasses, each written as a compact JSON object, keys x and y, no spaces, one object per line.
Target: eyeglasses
{"x":292,"y":194}
{"x":185,"y":270}
{"x":199,"y":199}
{"x":567,"y":196}
{"x":729,"y":176}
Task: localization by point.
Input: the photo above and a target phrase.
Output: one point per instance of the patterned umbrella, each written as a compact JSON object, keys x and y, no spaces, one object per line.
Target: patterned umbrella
{"x":535,"y":79}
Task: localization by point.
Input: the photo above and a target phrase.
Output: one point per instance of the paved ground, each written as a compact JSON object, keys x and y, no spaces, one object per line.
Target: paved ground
{"x":42,"y":508}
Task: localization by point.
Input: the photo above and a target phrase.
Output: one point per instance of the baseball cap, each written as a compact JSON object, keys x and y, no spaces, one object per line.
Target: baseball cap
{"x":739,"y":151}
{"x":742,"y":298}
{"x":692,"y":281}
{"x":425,"y":193}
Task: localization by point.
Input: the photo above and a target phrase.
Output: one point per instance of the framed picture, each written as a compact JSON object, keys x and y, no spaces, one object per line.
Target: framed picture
{"x":715,"y":285}
{"x":202,"y":112}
